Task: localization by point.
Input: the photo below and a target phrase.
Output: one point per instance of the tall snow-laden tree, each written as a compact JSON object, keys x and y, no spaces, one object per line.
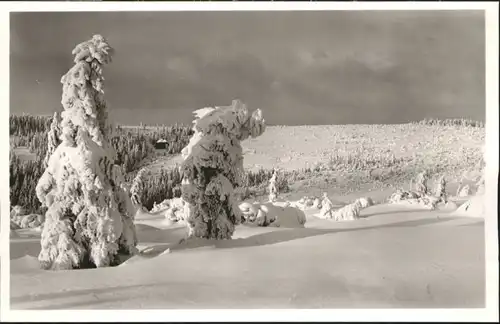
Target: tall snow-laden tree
{"x":213,"y":168}
{"x":53,"y":138}
{"x":89,"y":221}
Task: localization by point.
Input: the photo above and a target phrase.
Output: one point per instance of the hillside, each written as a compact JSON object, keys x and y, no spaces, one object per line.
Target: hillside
{"x":394,"y":256}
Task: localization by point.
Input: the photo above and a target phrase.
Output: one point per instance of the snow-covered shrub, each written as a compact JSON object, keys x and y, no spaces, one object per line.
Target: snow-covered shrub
{"x":309,"y":202}
{"x":89,"y":220}
{"x":53,"y":137}
{"x":271,"y":214}
{"x":28,"y":221}
{"x":173,"y":209}
{"x":365,"y":202}
{"x":346,"y":213}
{"x":213,"y":168}
{"x":255,"y":214}
{"x":414,"y":198}
{"x":327,"y":208}
{"x":401,"y":195}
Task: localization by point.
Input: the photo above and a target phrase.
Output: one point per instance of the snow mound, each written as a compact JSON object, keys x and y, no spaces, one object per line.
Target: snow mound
{"x":403,"y":197}
{"x":308,"y":202}
{"x":172,"y":209}
{"x":28,"y":221}
{"x":272,"y":214}
{"x":364,"y":202}
{"x":346,"y":213}
{"x":474,"y":207}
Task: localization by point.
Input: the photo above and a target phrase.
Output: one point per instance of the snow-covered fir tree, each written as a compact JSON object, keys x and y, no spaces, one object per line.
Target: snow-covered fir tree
{"x":421,"y":183}
{"x":273,"y":188}
{"x":53,"y":137}
{"x":213,"y":168}
{"x":327,"y":209}
{"x":441,"y":190}
{"x":137,"y":188}
{"x":89,"y":221}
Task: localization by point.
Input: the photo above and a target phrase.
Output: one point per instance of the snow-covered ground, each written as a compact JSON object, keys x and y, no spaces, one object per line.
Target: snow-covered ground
{"x":393,"y":257}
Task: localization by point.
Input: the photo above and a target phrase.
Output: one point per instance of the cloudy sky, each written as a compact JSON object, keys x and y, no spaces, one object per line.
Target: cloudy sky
{"x":329,"y":67}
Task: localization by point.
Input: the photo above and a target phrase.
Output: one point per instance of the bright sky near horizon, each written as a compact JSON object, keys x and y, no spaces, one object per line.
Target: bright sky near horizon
{"x":324,"y":67}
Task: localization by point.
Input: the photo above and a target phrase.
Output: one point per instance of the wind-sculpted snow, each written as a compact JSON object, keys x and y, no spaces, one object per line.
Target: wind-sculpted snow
{"x":89,"y":220}
{"x":213,"y":168}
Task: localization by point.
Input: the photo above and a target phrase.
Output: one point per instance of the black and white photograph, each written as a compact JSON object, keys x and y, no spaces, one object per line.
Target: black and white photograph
{"x":215,"y":159}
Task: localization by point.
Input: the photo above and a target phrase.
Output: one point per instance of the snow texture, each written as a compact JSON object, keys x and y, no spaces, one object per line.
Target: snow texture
{"x":89,"y":220}
{"x":213,"y":168}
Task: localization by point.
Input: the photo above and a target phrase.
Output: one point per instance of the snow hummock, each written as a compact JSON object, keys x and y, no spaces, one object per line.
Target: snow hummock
{"x":272,"y":214}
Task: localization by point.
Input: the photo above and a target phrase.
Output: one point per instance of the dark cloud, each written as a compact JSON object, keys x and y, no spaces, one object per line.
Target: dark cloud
{"x":300,"y":67}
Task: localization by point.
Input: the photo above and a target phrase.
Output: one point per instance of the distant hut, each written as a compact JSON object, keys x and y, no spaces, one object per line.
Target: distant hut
{"x":161,"y":144}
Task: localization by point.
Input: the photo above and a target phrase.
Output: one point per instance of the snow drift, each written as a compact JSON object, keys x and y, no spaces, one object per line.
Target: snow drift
{"x":474,"y":207}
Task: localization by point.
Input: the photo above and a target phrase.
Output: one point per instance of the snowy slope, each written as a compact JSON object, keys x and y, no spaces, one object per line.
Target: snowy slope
{"x":394,"y":256}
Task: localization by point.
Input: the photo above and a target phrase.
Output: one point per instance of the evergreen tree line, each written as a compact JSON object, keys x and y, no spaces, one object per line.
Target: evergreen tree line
{"x":28,"y":125}
{"x":24,"y":176}
{"x":460,"y":122}
{"x":167,"y":184}
{"x":132,"y":145}
{"x":132,"y":148}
